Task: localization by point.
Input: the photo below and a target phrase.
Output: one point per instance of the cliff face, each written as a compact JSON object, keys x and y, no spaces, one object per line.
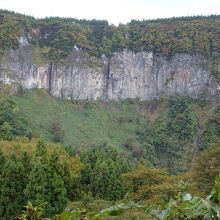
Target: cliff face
{"x":125,"y":75}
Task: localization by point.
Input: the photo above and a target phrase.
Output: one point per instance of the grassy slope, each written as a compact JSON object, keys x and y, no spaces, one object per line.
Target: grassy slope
{"x":84,"y":123}
{"x":115,"y":123}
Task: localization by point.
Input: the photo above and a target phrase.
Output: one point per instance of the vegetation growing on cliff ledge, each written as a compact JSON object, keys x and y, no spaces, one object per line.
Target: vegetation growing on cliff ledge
{"x":61,"y":36}
{"x":107,"y":152}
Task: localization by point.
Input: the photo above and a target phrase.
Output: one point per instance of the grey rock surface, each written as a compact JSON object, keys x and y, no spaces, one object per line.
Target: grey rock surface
{"x":127,"y":74}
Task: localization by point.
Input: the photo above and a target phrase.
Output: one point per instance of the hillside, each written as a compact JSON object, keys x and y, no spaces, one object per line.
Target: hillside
{"x":164,"y":136}
{"x":92,"y":115}
{"x":97,"y":62}
{"x":92,"y":60}
{"x":83,"y":123}
{"x":104,"y":150}
{"x":57,"y":37}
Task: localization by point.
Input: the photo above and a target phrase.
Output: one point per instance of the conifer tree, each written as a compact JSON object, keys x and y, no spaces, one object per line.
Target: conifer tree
{"x":12,"y":182}
{"x":2,"y":161}
{"x":58,"y":197}
{"x":36,"y":189}
{"x":102,"y":175}
{"x":44,"y":184}
{"x":66,"y":169}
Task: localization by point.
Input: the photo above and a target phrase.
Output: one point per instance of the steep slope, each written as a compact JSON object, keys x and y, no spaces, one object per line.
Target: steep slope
{"x":163,"y":136}
{"x":124,"y":75}
{"x":203,"y":122}
{"x":83,"y":123}
{"x":111,"y":75}
{"x":79,"y":59}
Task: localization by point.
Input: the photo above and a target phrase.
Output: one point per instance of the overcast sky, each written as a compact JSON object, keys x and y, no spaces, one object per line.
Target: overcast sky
{"x":115,"y":11}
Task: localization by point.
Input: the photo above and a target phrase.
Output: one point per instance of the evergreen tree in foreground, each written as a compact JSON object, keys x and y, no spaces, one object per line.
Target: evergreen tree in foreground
{"x":12,"y":182}
{"x":2,"y":162}
{"x":44,"y":184}
{"x":102,"y":175}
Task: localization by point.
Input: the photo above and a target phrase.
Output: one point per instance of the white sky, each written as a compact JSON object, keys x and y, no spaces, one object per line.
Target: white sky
{"x":115,"y":11}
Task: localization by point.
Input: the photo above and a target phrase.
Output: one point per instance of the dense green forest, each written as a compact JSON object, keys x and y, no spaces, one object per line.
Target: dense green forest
{"x":86,"y":156}
{"x":57,"y":37}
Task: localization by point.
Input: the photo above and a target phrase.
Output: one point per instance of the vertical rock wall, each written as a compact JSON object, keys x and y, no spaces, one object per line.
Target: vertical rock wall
{"x":124,"y":75}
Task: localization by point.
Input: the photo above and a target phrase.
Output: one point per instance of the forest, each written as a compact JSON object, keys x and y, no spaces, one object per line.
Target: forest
{"x":58,"y":37}
{"x":73,"y":160}
{"x":153,"y":162}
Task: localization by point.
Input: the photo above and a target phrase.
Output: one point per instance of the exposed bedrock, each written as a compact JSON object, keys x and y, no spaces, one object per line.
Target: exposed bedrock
{"x":124,"y":75}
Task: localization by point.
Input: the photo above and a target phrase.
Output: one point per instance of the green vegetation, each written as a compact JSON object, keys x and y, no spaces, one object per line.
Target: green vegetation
{"x":11,"y":122}
{"x":45,"y":173}
{"x":207,"y":167}
{"x":96,"y":178}
{"x":168,"y":136}
{"x":182,"y":120}
{"x":164,"y":138}
{"x":154,"y":186}
{"x":184,"y":206}
{"x":13,"y":181}
{"x":44,"y":182}
{"x":81,"y":124}
{"x":108,"y":152}
{"x":105,"y":153}
{"x":109,"y":166}
{"x":32,"y":212}
{"x":212,"y":130}
{"x":59,"y":36}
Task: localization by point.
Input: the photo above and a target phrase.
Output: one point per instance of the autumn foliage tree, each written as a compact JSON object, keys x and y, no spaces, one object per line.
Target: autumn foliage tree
{"x":153,"y":185}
